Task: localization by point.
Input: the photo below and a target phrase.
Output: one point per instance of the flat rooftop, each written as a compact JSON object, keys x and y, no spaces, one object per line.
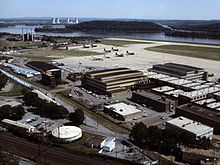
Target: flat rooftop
{"x":180,"y":82}
{"x":187,"y":67}
{"x":200,"y":92}
{"x":163,"y":89}
{"x":158,"y":76}
{"x":201,"y":102}
{"x":201,"y":86}
{"x":175,"y":93}
{"x":189,"y":125}
{"x":121,"y":73}
{"x":42,"y":66}
{"x":170,"y":78}
{"x":191,"y":84}
{"x":216,"y":94}
{"x":199,"y":110}
{"x":214,"y":105}
{"x":150,"y":73}
{"x":150,"y":95}
{"x":108,"y":70}
{"x":123,"y":109}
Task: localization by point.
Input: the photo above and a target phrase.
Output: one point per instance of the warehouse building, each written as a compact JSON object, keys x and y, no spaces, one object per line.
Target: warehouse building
{"x":51,"y":74}
{"x":201,"y":114}
{"x":111,"y":82}
{"x":192,"y":128}
{"x":122,"y":111}
{"x":154,"y":101}
{"x":180,"y":71}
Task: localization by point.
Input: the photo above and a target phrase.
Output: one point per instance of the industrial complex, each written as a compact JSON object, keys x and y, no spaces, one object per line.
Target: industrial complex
{"x":101,"y":109}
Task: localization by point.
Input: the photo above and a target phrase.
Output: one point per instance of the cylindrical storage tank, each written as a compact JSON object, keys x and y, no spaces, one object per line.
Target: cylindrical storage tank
{"x":67,"y":133}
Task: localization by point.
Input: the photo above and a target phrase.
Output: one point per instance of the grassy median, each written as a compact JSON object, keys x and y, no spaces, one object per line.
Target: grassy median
{"x":122,"y":42}
{"x":190,"y":51}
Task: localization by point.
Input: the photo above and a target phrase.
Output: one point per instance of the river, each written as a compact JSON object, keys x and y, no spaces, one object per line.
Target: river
{"x":148,"y":36}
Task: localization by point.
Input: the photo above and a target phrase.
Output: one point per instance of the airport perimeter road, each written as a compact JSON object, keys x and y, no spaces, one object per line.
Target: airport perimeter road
{"x":51,"y":155}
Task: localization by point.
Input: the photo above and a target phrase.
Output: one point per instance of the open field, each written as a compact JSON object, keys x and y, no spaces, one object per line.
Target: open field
{"x":11,"y":44}
{"x":59,"y":53}
{"x":191,"y":51}
{"x":122,"y":42}
{"x":35,"y":58}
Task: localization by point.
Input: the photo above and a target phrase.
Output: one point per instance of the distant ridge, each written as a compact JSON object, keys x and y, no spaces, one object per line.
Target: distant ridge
{"x":117,"y":26}
{"x":134,"y":26}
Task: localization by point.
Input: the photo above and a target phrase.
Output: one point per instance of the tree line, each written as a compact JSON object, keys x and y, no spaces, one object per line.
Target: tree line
{"x":165,"y":141}
{"x":3,"y":81}
{"x":12,"y":113}
{"x":44,"y":108}
{"x":51,"y":110}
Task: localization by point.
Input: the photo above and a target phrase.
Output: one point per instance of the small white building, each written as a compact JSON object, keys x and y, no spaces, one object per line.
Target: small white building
{"x":193,"y":128}
{"x":109,"y":145}
{"x":122,"y":111}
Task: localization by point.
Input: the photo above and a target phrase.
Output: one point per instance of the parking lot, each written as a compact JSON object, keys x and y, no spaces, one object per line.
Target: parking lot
{"x":41,"y":123}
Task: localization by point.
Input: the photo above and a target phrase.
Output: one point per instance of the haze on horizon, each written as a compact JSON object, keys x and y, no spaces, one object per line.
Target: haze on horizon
{"x":131,"y":9}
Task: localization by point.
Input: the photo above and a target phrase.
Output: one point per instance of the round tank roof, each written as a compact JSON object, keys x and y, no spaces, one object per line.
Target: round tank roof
{"x":67,"y":132}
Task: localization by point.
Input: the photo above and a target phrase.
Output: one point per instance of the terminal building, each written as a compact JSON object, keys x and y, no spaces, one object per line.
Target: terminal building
{"x":201,"y":113}
{"x":154,"y":101}
{"x":51,"y":74}
{"x":192,"y":128}
{"x":122,"y":111}
{"x":180,"y":71}
{"x":111,"y":82}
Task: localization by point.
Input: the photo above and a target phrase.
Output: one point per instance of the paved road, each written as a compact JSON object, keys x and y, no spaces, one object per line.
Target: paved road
{"x":52,"y":155}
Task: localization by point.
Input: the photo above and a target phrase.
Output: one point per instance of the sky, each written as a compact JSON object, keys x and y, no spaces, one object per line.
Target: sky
{"x":134,"y":9}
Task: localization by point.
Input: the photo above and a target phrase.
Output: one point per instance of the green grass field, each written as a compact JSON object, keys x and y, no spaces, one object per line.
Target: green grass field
{"x":49,"y":52}
{"x":11,"y":44}
{"x":122,"y":42}
{"x":191,"y":51}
